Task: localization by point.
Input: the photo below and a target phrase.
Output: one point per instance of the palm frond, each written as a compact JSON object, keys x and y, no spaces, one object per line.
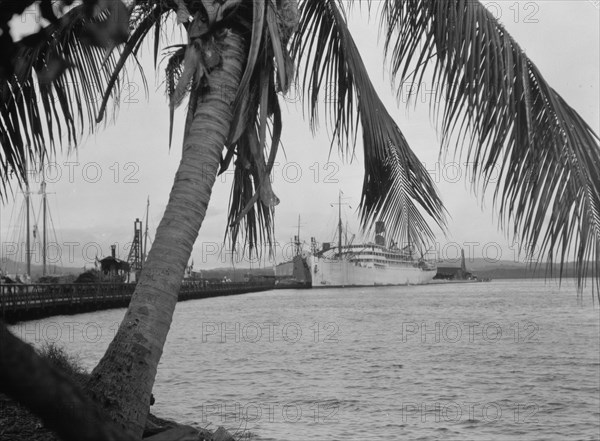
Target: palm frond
{"x":396,"y":182}
{"x":173,"y":72}
{"x":252,"y":199}
{"x":257,"y":119}
{"x":51,"y":97}
{"x":147,"y":16}
{"x":250,"y":220}
{"x":498,"y":107}
{"x":38,"y":115}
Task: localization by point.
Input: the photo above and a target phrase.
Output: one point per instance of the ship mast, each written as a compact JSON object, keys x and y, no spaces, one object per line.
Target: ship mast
{"x":298,"y":250}
{"x":339,"y":204}
{"x":297,"y":242}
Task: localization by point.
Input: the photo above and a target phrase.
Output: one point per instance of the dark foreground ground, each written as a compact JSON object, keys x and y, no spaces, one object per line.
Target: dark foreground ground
{"x":18,"y":424}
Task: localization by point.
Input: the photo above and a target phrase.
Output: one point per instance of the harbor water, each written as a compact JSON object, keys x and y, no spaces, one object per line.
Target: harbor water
{"x":505,"y":360}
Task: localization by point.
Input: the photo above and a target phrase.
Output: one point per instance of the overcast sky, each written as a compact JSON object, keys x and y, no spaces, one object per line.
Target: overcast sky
{"x":95,"y":199}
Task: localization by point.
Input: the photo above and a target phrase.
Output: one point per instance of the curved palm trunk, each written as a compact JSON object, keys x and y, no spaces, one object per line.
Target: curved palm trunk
{"x":122,"y":382}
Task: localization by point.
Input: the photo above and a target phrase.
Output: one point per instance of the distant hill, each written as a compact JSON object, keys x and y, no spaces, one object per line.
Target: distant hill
{"x":503,"y":269}
{"x":10,"y":267}
{"x":235,"y":274}
{"x":506,"y":269}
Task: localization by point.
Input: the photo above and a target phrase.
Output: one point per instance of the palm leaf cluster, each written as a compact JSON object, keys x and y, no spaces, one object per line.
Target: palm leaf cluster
{"x":255,"y":133}
{"x":504,"y":117}
{"x":256,"y":129}
{"x":49,"y":92}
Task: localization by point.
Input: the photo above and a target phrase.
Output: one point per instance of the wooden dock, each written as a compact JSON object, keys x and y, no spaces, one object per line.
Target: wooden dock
{"x":28,"y":302}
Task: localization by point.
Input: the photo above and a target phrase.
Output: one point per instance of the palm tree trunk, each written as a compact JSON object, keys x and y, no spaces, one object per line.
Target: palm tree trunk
{"x":122,"y":382}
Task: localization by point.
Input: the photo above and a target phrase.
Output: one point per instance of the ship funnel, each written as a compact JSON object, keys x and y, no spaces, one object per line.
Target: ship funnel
{"x":113,"y":250}
{"x":379,"y":233}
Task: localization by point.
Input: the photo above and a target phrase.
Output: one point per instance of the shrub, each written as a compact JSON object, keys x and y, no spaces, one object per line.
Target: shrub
{"x":61,"y":359}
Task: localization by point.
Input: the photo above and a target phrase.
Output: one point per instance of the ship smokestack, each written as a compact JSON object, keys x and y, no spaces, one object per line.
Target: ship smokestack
{"x":380,"y":233}
{"x":113,"y":251}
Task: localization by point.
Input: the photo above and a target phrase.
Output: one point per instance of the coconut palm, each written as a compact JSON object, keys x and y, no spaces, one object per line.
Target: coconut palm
{"x":239,"y":58}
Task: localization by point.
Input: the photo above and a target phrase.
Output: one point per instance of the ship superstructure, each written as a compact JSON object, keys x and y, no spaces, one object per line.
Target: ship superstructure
{"x":368,"y":264}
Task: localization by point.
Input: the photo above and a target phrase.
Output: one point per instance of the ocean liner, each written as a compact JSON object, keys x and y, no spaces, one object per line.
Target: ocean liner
{"x":367,"y":264}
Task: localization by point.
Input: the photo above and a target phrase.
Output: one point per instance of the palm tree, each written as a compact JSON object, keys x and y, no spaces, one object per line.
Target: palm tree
{"x":239,"y":57}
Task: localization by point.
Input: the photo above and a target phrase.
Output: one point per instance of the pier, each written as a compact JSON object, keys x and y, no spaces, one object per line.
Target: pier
{"x":27,"y":302}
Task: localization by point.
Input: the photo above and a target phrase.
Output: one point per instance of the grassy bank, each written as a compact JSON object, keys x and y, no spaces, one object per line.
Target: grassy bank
{"x":17,"y":423}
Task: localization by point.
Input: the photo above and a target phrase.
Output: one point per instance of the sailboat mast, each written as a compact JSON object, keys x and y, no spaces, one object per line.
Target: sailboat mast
{"x":44,"y":217}
{"x":44,"y":237}
{"x":28,"y":221}
{"x":340,"y":223}
{"x":28,"y":227}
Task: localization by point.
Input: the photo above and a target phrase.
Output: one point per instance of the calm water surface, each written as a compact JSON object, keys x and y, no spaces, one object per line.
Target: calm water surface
{"x":506,"y":360}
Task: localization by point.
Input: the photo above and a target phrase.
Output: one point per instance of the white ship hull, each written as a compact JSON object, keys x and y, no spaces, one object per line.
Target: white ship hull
{"x":335,"y":272}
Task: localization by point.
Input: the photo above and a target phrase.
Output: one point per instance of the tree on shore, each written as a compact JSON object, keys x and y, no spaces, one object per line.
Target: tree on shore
{"x":239,"y":58}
